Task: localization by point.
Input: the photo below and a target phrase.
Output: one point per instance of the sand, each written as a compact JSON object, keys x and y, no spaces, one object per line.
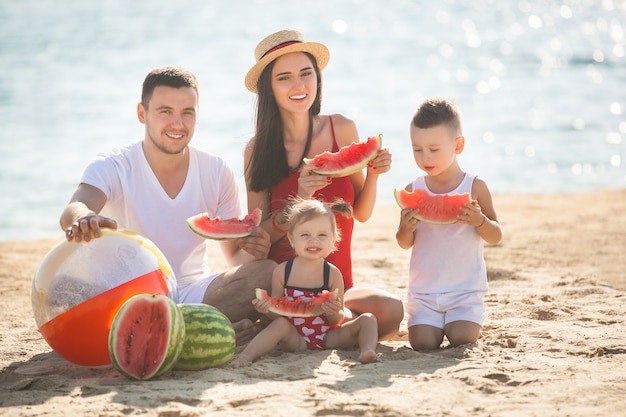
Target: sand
{"x":554,"y":341}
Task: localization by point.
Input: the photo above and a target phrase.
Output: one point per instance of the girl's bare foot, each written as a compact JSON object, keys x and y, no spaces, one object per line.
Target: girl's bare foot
{"x":368,"y":356}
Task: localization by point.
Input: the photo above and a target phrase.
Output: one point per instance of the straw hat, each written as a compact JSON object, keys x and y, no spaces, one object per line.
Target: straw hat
{"x":281,"y":43}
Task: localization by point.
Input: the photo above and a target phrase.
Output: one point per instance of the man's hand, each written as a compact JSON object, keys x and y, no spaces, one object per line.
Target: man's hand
{"x":257,"y":244}
{"x":88,"y":227}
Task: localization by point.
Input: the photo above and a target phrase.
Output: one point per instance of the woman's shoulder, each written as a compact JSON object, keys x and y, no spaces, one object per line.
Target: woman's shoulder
{"x":344,"y":128}
{"x":340,"y":119}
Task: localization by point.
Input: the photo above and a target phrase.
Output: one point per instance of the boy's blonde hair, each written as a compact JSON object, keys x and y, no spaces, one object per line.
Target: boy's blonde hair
{"x":300,"y":210}
{"x":438,"y":111}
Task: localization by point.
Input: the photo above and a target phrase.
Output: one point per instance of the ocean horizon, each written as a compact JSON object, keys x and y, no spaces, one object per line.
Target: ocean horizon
{"x":540,"y":86}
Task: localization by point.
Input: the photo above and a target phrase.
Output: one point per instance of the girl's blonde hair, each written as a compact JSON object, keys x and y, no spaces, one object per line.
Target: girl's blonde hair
{"x":300,"y":210}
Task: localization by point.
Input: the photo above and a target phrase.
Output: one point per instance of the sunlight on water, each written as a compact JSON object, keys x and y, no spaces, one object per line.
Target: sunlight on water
{"x":540,"y":85}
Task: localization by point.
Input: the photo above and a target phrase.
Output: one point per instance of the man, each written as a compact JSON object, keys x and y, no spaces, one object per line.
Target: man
{"x":154,"y":185}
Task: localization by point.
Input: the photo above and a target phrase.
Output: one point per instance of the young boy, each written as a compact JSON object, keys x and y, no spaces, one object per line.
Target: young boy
{"x":448,"y":277}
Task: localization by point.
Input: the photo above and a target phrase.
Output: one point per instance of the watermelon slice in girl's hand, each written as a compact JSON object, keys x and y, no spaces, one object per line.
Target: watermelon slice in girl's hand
{"x":298,"y":307}
{"x":347,"y":160}
{"x":218,"y":229}
{"x":433,"y":208}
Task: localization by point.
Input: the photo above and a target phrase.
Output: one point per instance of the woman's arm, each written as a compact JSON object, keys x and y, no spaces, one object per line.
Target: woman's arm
{"x":365,"y":187}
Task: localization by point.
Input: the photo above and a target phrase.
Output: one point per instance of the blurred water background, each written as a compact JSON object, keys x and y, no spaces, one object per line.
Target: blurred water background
{"x":541,"y":84}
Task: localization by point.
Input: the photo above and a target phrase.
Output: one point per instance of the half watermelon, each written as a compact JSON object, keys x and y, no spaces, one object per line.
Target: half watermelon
{"x":147,"y":336}
{"x":433,"y":208}
{"x":347,"y":160}
{"x":297,"y":308}
{"x":218,"y":229}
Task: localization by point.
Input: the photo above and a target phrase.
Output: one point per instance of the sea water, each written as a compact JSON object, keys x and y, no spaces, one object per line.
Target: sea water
{"x":541,"y":84}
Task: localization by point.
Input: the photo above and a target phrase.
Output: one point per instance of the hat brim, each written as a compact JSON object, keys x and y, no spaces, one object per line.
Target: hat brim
{"x":319,"y":51}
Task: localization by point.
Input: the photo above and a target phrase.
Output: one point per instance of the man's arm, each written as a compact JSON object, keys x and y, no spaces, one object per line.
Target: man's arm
{"x":247,"y":249}
{"x":80,"y":219}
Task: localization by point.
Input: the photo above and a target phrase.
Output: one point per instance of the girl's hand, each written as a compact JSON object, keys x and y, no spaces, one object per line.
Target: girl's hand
{"x":380,"y":164}
{"x":309,"y":182}
{"x":472,"y":215}
{"x":331,"y":309}
{"x":262,"y":306}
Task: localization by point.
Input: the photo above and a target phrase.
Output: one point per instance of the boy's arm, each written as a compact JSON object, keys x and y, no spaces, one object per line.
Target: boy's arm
{"x":489,"y":228}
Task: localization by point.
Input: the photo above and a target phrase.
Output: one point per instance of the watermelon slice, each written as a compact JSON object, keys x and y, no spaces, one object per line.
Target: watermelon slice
{"x":435,"y":209}
{"x":298,"y":307}
{"x":218,"y":229}
{"x":347,"y":160}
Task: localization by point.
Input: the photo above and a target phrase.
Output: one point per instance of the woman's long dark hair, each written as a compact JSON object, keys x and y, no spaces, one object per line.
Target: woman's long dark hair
{"x":268,"y":163}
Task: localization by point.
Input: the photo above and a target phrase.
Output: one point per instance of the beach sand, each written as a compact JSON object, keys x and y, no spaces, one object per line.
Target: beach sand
{"x":554,"y":341}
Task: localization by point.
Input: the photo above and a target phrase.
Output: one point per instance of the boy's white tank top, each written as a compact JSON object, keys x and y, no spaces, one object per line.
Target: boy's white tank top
{"x":447,"y":258}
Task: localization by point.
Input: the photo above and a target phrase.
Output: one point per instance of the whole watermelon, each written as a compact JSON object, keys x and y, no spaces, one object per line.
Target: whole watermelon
{"x":209,"y":338}
{"x":146,"y":336}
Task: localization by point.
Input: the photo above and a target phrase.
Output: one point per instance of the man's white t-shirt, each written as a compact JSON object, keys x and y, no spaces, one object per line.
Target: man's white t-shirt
{"x":138,"y":202}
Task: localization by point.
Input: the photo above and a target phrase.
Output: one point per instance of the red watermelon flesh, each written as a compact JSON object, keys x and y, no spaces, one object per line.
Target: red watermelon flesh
{"x":297,"y":308}
{"x":347,"y":160}
{"x":433,"y":208}
{"x":218,"y":229}
{"x":146,"y":337}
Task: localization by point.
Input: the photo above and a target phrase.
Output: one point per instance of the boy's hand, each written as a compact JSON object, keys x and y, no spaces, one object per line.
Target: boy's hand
{"x":408,"y":221}
{"x":471,"y":214}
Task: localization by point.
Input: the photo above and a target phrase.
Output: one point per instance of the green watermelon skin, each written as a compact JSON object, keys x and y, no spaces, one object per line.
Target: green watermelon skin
{"x":209,"y":338}
{"x":434,"y":209}
{"x":347,"y":160}
{"x":146,"y":336}
{"x":219,"y":229}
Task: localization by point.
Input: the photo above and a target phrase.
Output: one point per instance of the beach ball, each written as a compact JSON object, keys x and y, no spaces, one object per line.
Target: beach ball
{"x":79,"y":287}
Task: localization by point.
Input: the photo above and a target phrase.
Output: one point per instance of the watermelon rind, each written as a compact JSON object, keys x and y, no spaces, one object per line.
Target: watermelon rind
{"x":136,"y":327}
{"x":438,"y":209}
{"x":283,"y":307}
{"x":220,"y":229}
{"x":340,"y":157}
{"x":209,"y":338}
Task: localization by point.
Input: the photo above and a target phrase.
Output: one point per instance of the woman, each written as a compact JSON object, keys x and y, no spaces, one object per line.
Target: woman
{"x":289,"y":127}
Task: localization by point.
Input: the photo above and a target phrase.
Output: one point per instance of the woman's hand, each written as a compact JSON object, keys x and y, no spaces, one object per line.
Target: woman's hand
{"x":380,"y":164}
{"x":309,"y":182}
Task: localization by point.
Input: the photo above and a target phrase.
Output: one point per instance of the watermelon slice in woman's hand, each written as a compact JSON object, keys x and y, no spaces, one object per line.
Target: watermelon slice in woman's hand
{"x":347,"y":160}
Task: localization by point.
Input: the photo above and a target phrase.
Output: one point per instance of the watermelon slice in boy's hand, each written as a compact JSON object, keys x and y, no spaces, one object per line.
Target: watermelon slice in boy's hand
{"x":433,"y":208}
